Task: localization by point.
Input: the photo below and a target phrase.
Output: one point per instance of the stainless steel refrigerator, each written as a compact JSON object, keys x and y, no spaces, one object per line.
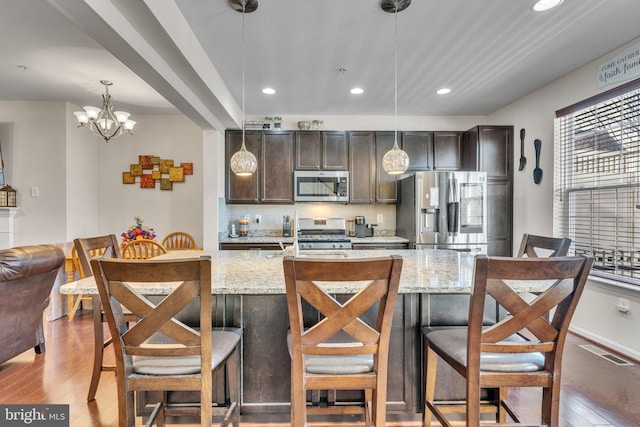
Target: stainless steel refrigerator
{"x":443,"y":210}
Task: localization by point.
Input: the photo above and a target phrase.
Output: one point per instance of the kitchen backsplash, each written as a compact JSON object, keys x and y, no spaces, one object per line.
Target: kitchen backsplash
{"x":271,"y":216}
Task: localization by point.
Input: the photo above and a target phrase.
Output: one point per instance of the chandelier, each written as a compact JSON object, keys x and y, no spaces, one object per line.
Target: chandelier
{"x":395,"y":161}
{"x":105,"y":122}
{"x":243,"y":162}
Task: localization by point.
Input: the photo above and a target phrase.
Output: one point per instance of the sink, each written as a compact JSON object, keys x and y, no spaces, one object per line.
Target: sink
{"x":324,"y":254}
{"x":312,"y":254}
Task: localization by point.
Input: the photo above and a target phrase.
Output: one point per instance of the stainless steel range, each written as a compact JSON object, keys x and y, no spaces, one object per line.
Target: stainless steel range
{"x":323,"y":233}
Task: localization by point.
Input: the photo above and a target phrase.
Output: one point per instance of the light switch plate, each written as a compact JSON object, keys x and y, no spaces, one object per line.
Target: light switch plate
{"x":35,"y":191}
{"x":380,"y":218}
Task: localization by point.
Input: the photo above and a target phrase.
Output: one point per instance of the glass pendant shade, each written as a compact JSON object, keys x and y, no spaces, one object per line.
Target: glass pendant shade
{"x":243,"y":162}
{"x":395,"y":161}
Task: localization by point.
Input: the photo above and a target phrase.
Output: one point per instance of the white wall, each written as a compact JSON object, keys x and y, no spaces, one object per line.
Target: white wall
{"x":169,"y":137}
{"x":34,"y":153}
{"x":82,"y":179}
{"x":596,"y":316}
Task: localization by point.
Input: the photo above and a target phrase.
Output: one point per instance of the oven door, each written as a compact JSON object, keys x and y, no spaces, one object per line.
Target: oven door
{"x":321,"y":186}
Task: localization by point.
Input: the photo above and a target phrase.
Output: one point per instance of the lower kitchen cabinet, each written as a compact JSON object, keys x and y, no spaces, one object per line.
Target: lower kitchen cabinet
{"x":376,"y":246}
{"x":232,"y":246}
{"x":266,"y":364}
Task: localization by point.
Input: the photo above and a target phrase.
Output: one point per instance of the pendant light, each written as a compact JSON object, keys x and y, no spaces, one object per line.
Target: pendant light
{"x":395,"y":161}
{"x":243,"y":162}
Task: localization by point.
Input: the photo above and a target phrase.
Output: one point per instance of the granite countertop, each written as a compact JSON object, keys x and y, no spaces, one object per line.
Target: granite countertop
{"x":260,"y":272}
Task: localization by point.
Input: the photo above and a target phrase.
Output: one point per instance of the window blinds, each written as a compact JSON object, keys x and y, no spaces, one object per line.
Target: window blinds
{"x":597,"y":184}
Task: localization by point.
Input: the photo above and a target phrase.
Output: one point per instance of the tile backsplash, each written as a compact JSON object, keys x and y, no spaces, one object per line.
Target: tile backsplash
{"x":271,"y":216}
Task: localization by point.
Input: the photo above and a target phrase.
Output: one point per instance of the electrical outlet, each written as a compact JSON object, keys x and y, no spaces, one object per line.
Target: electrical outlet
{"x":623,"y":305}
{"x":35,"y":191}
{"x":380,"y":219}
{"x":258,"y":219}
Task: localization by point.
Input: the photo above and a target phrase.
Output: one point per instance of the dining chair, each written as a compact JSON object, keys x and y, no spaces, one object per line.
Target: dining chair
{"x":341,"y":351}
{"x":178,"y":240}
{"x":74,"y":305}
{"x":87,"y":248}
{"x":142,"y":249}
{"x":160,"y":353}
{"x":524,"y":349}
{"x":537,"y":246}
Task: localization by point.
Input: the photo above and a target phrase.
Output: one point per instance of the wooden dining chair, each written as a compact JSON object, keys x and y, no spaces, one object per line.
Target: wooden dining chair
{"x":142,"y":249}
{"x":537,"y":246}
{"x":341,"y":351}
{"x":74,"y":304}
{"x":178,"y":240}
{"x":524,"y":349}
{"x":87,"y":248}
{"x":160,"y":353}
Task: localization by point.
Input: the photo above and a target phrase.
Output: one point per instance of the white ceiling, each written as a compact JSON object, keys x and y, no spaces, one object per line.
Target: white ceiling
{"x":185,"y":55}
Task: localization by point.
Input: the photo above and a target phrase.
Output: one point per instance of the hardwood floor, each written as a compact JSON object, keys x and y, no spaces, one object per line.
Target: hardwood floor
{"x":595,"y":391}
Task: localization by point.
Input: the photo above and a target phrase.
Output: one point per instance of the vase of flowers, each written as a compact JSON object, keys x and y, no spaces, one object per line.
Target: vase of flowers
{"x":138,"y":232}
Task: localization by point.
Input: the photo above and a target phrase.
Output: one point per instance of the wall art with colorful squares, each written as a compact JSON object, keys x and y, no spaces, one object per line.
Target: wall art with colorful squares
{"x":152,"y":169}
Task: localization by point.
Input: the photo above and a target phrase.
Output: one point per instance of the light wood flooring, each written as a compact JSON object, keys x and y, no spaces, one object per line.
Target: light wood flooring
{"x":595,"y":391}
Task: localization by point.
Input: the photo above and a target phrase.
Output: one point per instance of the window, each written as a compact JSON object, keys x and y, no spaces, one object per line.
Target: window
{"x":597,"y":181}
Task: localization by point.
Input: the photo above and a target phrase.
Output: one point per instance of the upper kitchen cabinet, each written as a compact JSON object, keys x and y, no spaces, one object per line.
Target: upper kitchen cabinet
{"x":273,"y":180}
{"x":361,"y":167}
{"x":276,"y":167}
{"x":447,"y":151}
{"x":242,"y":189}
{"x":489,"y":149}
{"x":419,"y":147}
{"x":386,"y":185}
{"x":321,"y":150}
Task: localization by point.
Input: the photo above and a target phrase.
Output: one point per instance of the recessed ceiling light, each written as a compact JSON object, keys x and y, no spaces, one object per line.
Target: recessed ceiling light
{"x":443,"y":91}
{"x":268,"y":91}
{"x":357,"y":91}
{"x":542,"y":5}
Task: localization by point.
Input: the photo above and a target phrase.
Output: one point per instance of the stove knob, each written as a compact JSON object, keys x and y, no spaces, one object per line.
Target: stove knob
{"x":309,"y":245}
{"x":335,"y":246}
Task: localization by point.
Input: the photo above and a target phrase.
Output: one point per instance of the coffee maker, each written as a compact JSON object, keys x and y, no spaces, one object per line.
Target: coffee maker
{"x":361,"y":227}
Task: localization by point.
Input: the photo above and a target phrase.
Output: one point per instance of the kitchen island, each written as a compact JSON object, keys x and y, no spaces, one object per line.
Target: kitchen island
{"x":249,"y":291}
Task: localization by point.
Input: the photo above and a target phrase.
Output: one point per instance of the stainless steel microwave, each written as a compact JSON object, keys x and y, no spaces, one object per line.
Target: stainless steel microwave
{"x":321,"y":186}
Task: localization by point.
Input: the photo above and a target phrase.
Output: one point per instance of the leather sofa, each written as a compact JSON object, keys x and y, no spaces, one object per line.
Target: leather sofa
{"x":27,"y":274}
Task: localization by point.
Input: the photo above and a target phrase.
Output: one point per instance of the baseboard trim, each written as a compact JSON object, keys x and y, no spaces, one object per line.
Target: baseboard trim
{"x":607,"y":344}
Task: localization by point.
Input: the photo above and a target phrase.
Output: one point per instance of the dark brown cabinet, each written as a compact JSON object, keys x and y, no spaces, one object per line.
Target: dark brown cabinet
{"x":490,"y":149}
{"x":386,"y":185}
{"x":276,"y":167}
{"x":241,"y":189}
{"x":273,"y":180}
{"x":419,"y":148}
{"x":321,"y":150}
{"x":447,"y":151}
{"x":361,"y":167}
